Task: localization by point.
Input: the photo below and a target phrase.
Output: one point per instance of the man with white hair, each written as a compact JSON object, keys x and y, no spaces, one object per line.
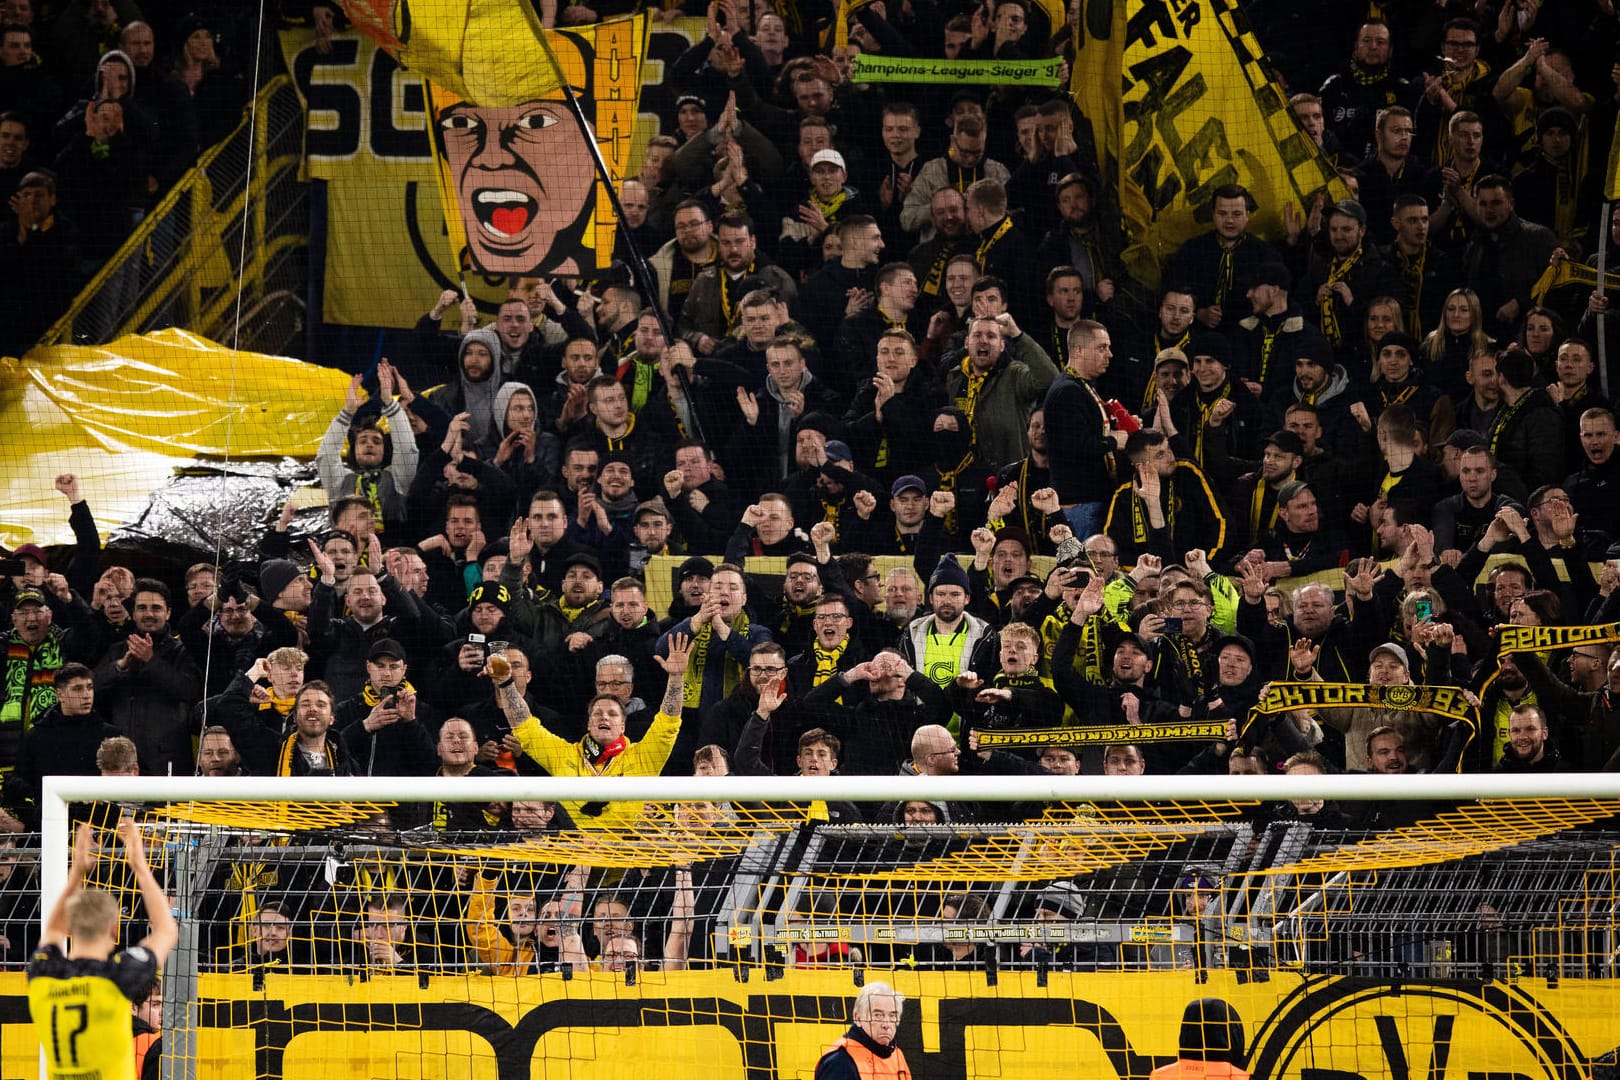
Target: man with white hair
{"x":867,"y":1051}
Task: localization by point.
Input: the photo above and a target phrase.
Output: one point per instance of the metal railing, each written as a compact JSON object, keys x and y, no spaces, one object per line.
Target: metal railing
{"x":226,"y":243}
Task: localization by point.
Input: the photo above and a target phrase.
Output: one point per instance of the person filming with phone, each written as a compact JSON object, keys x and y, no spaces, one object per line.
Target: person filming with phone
{"x":386,"y":726}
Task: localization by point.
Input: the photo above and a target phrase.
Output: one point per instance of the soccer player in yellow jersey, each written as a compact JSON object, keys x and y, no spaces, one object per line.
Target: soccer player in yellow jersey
{"x":79,"y":995}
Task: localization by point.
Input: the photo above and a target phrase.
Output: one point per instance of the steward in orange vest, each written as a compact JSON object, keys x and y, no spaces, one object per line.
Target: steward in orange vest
{"x":867,"y":1051}
{"x":1212,"y":1045}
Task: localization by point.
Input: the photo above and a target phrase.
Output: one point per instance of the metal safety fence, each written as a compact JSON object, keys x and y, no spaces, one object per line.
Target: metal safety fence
{"x":225,"y":246}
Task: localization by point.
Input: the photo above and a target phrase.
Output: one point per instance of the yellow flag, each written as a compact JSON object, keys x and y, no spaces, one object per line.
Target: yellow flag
{"x":1180,"y":104}
{"x":479,"y":50}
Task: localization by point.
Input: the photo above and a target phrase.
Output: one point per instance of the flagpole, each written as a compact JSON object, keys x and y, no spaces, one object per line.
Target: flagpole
{"x":1603,"y":316}
{"x":638,"y":262}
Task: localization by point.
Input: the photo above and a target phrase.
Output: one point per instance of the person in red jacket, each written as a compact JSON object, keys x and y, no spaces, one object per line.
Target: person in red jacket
{"x":867,"y":1051}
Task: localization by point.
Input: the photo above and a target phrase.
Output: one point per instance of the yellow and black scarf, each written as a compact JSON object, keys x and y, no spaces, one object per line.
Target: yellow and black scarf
{"x":829,"y":207}
{"x":698,"y":663}
{"x":981,"y":254}
{"x":960,"y":176}
{"x":572,"y":613}
{"x":372,"y":698}
{"x":934,"y":280}
{"x":1401,"y":396}
{"x":1140,"y":525}
{"x":289,"y":748}
{"x":282,"y":705}
{"x":728,"y":309}
{"x":827,"y":660}
{"x":1411,"y":270}
{"x":972,"y":388}
{"x":1504,"y":417}
{"x":1258,"y":518}
{"x":1204,"y":409}
{"x":617,"y":443}
{"x":1340,"y":268}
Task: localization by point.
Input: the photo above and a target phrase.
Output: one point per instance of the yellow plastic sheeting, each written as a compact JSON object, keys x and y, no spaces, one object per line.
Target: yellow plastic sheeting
{"x":124,"y":416}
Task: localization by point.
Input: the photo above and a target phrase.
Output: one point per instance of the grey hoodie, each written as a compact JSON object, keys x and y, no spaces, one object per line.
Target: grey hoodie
{"x":479,"y":398}
{"x":503,"y":399}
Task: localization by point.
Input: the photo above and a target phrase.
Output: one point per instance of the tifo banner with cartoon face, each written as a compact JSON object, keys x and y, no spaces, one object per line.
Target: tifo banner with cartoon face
{"x":518,"y":171}
{"x":521,"y":178}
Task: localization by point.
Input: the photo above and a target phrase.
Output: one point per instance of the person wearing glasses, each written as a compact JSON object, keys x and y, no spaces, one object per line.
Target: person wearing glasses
{"x":724,"y":724}
{"x":833,"y":647}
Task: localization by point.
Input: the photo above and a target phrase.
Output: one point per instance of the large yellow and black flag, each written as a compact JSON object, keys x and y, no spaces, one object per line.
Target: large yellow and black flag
{"x":1181,"y":103}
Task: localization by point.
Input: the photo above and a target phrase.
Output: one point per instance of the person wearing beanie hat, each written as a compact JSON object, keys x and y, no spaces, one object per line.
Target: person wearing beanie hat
{"x":378,"y":467}
{"x":1254,"y":495}
{"x":284,"y":595}
{"x":1549,"y":189}
{"x":949,"y":641}
{"x":1216,"y":406}
{"x":1400,"y":382}
{"x":1339,"y":285}
{"x":1271,"y":335}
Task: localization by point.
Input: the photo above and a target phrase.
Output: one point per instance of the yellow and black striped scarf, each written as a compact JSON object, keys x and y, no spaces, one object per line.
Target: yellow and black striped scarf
{"x":972,"y":387}
{"x":289,"y":748}
{"x":1411,"y":268}
{"x":372,"y":698}
{"x":1204,"y":409}
{"x":829,"y":207}
{"x":1259,"y":520}
{"x":728,"y":309}
{"x":827,"y":660}
{"x":697,"y":664}
{"x":1340,"y":268}
{"x":981,"y":254}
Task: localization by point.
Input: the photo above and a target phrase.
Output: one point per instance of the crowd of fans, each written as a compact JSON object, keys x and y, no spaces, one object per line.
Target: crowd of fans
{"x":902,"y":326}
{"x":104,"y":104}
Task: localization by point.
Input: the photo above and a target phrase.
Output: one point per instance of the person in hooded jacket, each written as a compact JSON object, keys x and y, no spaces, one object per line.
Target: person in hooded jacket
{"x":478,"y":382}
{"x":361,"y":459}
{"x":528,"y":455}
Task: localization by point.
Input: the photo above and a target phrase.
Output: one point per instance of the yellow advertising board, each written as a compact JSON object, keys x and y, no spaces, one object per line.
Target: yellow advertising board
{"x":710,"y":1025}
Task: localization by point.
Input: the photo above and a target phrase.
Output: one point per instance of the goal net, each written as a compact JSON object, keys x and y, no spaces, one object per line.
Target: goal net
{"x":1037,"y":926}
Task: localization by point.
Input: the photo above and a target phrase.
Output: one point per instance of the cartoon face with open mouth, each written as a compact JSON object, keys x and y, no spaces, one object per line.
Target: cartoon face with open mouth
{"x":524,"y":177}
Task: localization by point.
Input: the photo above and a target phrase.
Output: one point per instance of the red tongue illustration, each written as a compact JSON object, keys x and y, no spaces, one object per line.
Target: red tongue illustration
{"x":510,"y":220}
